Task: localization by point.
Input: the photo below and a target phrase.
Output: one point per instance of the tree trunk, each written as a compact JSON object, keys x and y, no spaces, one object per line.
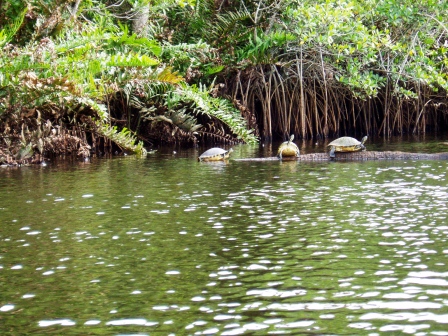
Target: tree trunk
{"x":140,"y":20}
{"x":74,"y":11}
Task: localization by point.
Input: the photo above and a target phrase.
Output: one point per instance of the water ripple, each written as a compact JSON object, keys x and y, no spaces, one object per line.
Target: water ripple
{"x":291,"y":248}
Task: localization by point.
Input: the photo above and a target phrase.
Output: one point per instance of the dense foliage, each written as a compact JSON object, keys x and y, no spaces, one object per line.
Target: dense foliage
{"x":318,"y":68}
{"x":90,"y":81}
{"x":127,"y":74}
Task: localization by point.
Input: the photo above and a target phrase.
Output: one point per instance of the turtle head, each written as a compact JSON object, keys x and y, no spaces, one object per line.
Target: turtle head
{"x":332,"y":152}
{"x":364,"y":139}
{"x":291,"y":138}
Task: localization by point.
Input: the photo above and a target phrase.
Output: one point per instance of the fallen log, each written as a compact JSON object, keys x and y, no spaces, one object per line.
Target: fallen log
{"x":358,"y":156}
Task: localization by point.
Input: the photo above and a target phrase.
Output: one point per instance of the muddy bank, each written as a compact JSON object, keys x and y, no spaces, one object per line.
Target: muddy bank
{"x":359,"y":156}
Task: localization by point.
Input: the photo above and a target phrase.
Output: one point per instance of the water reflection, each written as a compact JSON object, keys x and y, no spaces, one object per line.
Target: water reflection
{"x":174,"y":246}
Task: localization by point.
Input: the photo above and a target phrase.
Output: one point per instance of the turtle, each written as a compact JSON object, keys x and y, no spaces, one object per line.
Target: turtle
{"x":346,"y":144}
{"x":288,"y":149}
{"x":215,"y":154}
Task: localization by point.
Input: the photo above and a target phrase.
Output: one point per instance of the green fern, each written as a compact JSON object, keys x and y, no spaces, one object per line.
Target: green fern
{"x":141,"y":44}
{"x":6,"y":34}
{"x":219,"y":108}
{"x":183,"y":120}
{"x":79,"y":73}
{"x":184,"y":56}
{"x":182,"y":103}
{"x":140,"y":94}
{"x":229,"y":24}
{"x":134,"y":60}
{"x":123,"y":138}
{"x":265,"y":48}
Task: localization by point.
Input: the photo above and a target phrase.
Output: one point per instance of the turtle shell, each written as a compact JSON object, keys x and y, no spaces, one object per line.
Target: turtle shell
{"x":288,"y":149}
{"x":215,"y":154}
{"x":345,"y":142}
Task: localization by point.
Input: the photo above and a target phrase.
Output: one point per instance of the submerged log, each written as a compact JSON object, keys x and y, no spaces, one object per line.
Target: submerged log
{"x":360,"y":156}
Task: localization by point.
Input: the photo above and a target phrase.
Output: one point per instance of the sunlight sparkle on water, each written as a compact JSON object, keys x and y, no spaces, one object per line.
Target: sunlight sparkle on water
{"x":62,"y":322}
{"x":268,"y":247}
{"x":6,"y":308}
{"x":124,"y":322}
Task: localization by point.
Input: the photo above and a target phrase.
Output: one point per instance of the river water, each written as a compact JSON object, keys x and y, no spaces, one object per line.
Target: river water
{"x":167,"y":245}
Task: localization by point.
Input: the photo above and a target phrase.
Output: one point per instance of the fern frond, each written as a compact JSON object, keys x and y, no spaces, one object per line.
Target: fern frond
{"x":132,"y":60}
{"x":143,"y":92}
{"x":183,"y":120}
{"x":229,"y":24}
{"x":168,"y":76}
{"x":6,"y":34}
{"x":123,"y":138}
{"x":22,"y":63}
{"x":264,"y":50}
{"x":219,"y":108}
{"x":113,"y":42}
{"x":100,"y":109}
{"x":133,"y":40}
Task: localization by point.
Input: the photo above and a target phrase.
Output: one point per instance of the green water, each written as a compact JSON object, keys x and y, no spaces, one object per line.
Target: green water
{"x":170,"y":246}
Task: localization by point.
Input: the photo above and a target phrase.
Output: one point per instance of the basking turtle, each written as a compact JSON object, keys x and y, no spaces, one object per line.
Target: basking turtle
{"x":288,"y":149}
{"x":215,"y":154}
{"x":346,"y":144}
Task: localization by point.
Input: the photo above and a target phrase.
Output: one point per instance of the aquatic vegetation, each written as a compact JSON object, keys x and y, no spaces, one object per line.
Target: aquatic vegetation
{"x":189,"y":71}
{"x":319,"y":68}
{"x":76,"y":78}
